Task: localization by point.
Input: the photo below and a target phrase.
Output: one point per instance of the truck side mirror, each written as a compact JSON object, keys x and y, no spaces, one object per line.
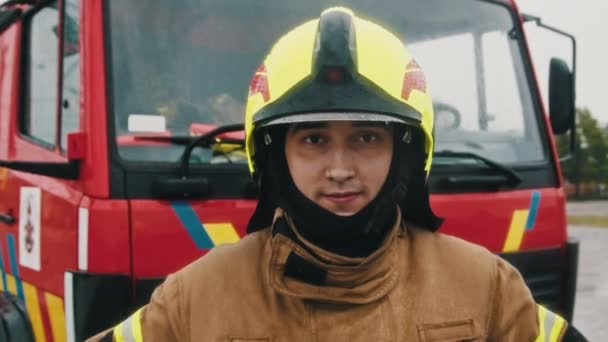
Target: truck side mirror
{"x":561,"y":96}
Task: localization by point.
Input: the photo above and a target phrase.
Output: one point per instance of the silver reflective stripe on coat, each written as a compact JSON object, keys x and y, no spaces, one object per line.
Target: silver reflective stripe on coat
{"x":130,"y":329}
{"x":127,"y":330}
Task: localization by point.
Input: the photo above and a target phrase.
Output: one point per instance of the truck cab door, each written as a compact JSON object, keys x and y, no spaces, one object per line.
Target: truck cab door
{"x":39,"y":214}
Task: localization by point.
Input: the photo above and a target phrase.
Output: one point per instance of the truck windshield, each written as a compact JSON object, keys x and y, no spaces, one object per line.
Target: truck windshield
{"x":182,"y":67}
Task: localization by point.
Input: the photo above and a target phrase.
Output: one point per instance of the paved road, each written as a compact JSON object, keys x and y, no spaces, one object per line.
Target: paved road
{"x":597,"y":208}
{"x":591,"y":308}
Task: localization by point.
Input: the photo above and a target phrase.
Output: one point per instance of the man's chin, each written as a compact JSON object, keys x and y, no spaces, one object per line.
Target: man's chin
{"x":344,"y":212}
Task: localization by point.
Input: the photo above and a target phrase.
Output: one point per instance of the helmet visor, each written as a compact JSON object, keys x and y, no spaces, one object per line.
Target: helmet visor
{"x":337,"y":116}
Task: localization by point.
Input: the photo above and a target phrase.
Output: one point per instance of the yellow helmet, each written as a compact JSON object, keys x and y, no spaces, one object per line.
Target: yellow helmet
{"x":338,"y":67}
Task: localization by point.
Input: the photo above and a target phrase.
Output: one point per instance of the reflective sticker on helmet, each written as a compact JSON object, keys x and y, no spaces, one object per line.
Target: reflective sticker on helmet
{"x":413,"y":80}
{"x":259,"y":84}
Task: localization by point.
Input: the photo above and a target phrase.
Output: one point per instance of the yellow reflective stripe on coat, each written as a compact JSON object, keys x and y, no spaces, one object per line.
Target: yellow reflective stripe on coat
{"x":550,"y":325}
{"x":130,"y":329}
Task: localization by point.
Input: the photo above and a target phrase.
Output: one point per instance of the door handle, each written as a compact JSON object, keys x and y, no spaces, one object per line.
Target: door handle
{"x":7,"y":218}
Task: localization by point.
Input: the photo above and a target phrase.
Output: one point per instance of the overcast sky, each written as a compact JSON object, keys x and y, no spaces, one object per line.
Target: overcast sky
{"x":585,"y":19}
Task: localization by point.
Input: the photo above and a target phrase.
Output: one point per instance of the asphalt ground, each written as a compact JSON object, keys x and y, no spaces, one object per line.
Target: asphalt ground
{"x":591,"y":305}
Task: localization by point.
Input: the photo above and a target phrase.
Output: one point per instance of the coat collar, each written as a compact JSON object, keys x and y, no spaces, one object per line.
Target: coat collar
{"x":301,"y":269}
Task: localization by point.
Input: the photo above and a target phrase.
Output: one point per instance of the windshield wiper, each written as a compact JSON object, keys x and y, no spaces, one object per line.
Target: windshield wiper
{"x":508,"y":176}
{"x":188,"y":139}
{"x":184,"y":186}
{"x":208,"y":139}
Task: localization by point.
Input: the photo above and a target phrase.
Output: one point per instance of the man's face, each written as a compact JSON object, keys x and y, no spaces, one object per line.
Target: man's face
{"x":340,"y":165}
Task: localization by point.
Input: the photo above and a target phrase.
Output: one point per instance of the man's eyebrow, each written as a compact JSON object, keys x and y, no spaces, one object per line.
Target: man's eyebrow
{"x":306,"y":125}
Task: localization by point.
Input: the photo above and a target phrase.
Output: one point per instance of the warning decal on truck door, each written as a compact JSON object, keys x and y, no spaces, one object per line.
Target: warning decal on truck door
{"x":29,"y":227}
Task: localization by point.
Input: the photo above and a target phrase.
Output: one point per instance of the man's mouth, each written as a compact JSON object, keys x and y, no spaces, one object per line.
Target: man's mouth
{"x":342,"y":197}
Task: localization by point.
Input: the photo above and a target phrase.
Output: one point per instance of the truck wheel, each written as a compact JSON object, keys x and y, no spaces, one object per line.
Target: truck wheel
{"x":14,"y":322}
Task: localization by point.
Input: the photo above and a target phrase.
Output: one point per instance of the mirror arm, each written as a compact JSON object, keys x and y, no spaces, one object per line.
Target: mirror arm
{"x":572,"y":144}
{"x":570,"y":155}
{"x":572,"y":148}
{"x":573,"y":40}
{"x":67,"y":170}
{"x":538,"y":21}
{"x":566,"y":158}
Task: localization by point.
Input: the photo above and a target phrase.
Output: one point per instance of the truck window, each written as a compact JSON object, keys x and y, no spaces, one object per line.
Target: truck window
{"x":70,"y":88}
{"x":176,"y":66}
{"x":502,"y":96}
{"x":481,"y":95}
{"x":40,"y":115}
{"x":505,"y":95}
{"x":442,"y":73}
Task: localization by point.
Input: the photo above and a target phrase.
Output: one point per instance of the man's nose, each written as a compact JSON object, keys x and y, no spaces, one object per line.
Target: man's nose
{"x":341,"y":167}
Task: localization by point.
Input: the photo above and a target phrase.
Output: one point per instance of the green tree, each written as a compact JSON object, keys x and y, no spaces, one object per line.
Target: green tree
{"x":590,"y":161}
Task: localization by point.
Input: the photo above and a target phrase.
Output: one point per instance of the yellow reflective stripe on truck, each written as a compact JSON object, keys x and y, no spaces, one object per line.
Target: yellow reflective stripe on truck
{"x":54,"y":305}
{"x":522,"y":221}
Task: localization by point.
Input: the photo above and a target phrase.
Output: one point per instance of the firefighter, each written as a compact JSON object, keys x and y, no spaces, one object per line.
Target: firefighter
{"x":342,"y":245}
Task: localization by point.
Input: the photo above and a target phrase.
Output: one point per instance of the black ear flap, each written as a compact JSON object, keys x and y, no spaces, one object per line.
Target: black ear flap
{"x":262,"y":216}
{"x":264,"y":211}
{"x":416,"y":207}
{"x":268,"y":177}
{"x":416,"y":204}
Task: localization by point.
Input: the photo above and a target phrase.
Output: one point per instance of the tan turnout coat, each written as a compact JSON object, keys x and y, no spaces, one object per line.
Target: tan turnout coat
{"x":418,"y":286}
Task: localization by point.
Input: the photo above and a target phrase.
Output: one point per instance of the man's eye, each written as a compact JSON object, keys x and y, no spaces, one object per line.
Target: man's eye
{"x":368,"y":138}
{"x":313,"y":139}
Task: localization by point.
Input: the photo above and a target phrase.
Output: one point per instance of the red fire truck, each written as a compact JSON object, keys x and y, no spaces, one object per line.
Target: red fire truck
{"x":121,"y":148}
